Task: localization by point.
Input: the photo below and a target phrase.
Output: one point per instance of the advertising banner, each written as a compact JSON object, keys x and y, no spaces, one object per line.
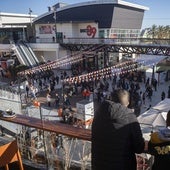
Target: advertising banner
{"x":45,"y":29}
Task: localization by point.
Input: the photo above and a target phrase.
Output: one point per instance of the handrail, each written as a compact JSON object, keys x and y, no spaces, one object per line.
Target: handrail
{"x":50,"y":126}
{"x":140,"y":41}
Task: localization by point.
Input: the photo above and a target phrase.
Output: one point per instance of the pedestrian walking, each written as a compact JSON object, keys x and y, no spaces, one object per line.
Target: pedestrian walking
{"x":57,"y":100}
{"x":144,"y":97}
{"x":163,"y":95}
{"x":169,"y":92}
{"x":48,"y":97}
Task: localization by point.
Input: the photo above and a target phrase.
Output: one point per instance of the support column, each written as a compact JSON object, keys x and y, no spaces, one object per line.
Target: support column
{"x":105,"y":58}
{"x":24,"y":37}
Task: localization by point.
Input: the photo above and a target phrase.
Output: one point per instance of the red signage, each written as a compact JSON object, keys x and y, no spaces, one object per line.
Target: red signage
{"x":91,"y":31}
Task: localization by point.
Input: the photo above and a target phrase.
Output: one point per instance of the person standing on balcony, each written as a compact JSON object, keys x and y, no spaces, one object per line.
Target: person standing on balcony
{"x":116,"y":135}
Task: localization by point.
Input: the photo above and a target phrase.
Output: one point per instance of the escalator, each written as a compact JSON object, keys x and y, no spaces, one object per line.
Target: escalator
{"x":32,"y":53}
{"x":29,"y":53}
{"x":25,"y":54}
{"x":20,"y":55}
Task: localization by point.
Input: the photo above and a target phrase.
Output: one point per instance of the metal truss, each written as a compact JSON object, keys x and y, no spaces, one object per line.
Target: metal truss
{"x":121,"y":48}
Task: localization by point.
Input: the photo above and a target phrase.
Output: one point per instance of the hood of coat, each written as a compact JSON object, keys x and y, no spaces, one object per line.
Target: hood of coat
{"x":115,"y":113}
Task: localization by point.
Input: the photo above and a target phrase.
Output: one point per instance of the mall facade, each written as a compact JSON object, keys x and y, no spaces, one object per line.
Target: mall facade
{"x":64,"y":23}
{"x":94,"y":19}
{"x":113,"y":19}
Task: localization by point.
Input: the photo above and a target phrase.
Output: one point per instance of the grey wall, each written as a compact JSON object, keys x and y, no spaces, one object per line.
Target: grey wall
{"x":126,"y":18}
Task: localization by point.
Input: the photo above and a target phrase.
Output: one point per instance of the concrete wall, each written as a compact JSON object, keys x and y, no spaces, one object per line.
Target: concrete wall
{"x":69,"y":30}
{"x":44,"y":56}
{"x":5,"y":47}
{"x":45,"y":51}
{"x":12,"y":18}
{"x":126,"y":18}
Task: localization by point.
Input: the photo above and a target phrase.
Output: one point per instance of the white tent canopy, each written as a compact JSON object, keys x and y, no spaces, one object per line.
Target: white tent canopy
{"x":153,"y":118}
{"x":156,"y":116}
{"x":149,"y":60}
{"x":163,"y":105}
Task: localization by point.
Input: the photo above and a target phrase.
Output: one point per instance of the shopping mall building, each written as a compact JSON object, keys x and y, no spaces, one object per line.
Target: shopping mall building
{"x":88,"y":20}
{"x":94,"y":19}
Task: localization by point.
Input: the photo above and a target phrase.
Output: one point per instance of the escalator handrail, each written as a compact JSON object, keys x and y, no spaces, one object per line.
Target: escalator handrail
{"x":27,"y":55}
{"x":20,"y":58}
{"x":20,"y":49}
{"x":32,"y":53}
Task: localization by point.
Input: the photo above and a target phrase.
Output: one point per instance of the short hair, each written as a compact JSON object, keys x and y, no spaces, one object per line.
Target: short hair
{"x":168,"y":119}
{"x":118,"y":94}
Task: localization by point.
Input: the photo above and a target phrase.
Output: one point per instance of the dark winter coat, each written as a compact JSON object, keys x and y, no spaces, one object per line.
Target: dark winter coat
{"x":116,"y":137}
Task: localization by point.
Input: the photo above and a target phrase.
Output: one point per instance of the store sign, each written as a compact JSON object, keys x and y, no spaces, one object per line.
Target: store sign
{"x":90,"y":30}
{"x":45,"y":29}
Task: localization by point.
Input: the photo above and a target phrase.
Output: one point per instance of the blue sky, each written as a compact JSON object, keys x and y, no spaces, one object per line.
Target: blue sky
{"x":158,"y":14}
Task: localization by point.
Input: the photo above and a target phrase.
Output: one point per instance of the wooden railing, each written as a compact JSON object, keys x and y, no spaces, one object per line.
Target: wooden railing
{"x":50,"y":126}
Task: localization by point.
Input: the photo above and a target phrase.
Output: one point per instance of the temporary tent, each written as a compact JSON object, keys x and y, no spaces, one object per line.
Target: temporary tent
{"x":149,"y":60}
{"x":163,"y":105}
{"x":153,"y":118}
{"x":156,"y":116}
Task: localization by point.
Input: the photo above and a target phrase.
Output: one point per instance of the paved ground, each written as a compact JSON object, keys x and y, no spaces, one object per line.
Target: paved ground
{"x":156,"y":98}
{"x":163,"y":86}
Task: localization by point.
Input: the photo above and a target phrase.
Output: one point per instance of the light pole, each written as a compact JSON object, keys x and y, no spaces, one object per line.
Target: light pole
{"x":55,"y":18}
{"x":30,"y":12}
{"x":31,"y":29}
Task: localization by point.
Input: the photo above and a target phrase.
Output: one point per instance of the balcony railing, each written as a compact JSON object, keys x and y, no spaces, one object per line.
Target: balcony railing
{"x":146,"y":41}
{"x":75,"y":40}
{"x":52,"y":145}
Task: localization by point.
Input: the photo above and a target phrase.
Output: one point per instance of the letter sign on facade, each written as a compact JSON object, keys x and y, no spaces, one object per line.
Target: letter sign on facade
{"x":91,"y":31}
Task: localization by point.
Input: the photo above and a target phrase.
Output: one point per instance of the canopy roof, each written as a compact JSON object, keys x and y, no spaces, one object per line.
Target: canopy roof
{"x":156,"y":116}
{"x":149,"y":60}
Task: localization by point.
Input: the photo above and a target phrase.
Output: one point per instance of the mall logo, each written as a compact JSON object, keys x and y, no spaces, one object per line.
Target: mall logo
{"x":91,"y":31}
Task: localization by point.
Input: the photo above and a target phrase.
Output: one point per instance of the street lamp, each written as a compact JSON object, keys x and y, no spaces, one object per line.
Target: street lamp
{"x":31,"y":30}
{"x":55,"y":18}
{"x":30,"y":12}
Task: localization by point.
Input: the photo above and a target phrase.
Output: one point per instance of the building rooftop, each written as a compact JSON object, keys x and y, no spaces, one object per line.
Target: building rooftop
{"x":16,"y":15}
{"x":13,"y":19}
{"x":120,"y":2}
{"x":98,"y":2}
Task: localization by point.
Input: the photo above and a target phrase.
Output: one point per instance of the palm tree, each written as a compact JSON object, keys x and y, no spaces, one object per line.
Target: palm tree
{"x":152,"y":31}
{"x":167,"y":31}
{"x":161,"y":32}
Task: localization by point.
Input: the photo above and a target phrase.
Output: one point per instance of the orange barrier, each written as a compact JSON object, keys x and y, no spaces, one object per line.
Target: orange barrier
{"x":36,"y":103}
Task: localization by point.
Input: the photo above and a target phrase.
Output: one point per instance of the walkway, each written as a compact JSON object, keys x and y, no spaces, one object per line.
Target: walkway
{"x":156,"y":98}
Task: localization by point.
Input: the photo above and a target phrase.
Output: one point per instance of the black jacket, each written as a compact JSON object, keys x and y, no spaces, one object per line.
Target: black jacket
{"x":116,"y":137}
{"x":160,"y":148}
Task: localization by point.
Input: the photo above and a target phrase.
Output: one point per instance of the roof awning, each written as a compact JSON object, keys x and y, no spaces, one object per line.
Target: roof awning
{"x":149,"y":60}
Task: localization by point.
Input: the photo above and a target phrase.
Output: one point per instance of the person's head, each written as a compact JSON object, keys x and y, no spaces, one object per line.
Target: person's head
{"x":121,"y":96}
{"x":168,"y":119}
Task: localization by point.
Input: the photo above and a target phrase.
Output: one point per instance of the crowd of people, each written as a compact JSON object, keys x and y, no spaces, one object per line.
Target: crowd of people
{"x":116,"y":115}
{"x":98,"y":90}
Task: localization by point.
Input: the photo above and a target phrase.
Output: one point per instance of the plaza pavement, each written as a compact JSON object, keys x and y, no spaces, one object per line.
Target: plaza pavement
{"x":156,"y":98}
